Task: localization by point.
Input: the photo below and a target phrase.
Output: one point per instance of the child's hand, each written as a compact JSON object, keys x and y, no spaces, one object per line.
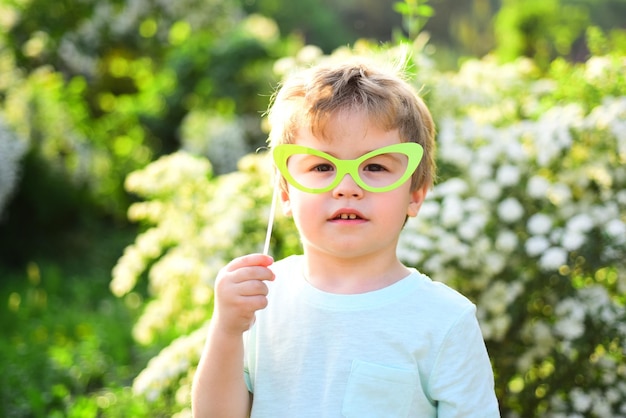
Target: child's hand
{"x":240,"y":291}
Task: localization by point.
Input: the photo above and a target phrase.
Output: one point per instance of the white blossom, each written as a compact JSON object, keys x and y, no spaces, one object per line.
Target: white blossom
{"x":569,"y":328}
{"x":571,"y":315}
{"x":221,"y":139}
{"x":454,"y":186}
{"x":469,"y":229}
{"x":510,"y":210}
{"x":451,"y":211}
{"x":421,"y":242}
{"x":506,"y":241}
{"x":559,"y":194}
{"x":616,"y":229}
{"x":499,"y":326}
{"x":479,"y":172}
{"x":553,"y":258}
{"x":539,"y":224}
{"x":601,"y":408}
{"x":596,"y":298}
{"x":486,"y":156}
{"x":605,"y":213}
{"x":515,"y":153}
{"x":458,"y":154}
{"x":451,"y":247}
{"x":508,"y":175}
{"x":537,"y":187}
{"x":489,"y":190}
{"x":429,"y":210}
{"x":536,"y":245}
{"x":494,"y":263}
{"x":543,"y":334}
{"x":477,"y":206}
{"x":596,"y":67}
{"x":434,"y":264}
{"x":580,"y":223}
{"x":582,"y":401}
{"x":572,"y":240}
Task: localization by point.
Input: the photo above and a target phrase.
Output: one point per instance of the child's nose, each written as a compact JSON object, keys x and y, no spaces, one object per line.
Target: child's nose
{"x":347,"y":187}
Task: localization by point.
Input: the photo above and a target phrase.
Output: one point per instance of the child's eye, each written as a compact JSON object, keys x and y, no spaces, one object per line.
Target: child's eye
{"x":375,"y":167}
{"x":323,"y":168}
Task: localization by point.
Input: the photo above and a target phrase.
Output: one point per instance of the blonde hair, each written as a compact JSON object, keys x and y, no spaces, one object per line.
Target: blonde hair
{"x":312,"y":97}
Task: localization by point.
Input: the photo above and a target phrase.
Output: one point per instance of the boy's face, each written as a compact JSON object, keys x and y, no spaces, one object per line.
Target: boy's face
{"x":348,"y":220}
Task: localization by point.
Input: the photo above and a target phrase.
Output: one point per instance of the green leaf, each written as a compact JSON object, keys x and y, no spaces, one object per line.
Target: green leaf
{"x":402,"y":8}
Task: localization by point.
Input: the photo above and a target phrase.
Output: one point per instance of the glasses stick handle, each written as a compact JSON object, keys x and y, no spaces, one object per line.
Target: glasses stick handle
{"x":270,"y":221}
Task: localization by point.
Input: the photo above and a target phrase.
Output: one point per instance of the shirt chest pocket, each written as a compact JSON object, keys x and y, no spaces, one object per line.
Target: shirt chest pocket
{"x":379,"y":391}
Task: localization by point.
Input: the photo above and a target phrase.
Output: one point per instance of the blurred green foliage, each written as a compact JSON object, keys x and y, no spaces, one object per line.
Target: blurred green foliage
{"x":414,"y":16}
{"x":67,"y":346}
{"x":100,"y":90}
{"x":539,"y":29}
{"x":546,"y":29}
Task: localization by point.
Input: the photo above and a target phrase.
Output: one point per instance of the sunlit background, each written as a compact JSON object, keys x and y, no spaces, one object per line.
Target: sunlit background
{"x":130,"y":172}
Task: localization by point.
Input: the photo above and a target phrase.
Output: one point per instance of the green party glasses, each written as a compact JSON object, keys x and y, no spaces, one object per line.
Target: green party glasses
{"x":314,"y":171}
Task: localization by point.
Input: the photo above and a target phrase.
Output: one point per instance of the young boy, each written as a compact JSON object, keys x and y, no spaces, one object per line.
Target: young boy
{"x":344,"y":330}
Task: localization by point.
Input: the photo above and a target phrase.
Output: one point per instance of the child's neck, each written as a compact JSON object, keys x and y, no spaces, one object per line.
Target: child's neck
{"x":347,"y":275}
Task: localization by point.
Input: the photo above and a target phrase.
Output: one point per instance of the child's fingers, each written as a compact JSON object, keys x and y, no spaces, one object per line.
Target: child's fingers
{"x":249,"y":261}
{"x":253,"y":288}
{"x":240,"y":291}
{"x":249,"y":267}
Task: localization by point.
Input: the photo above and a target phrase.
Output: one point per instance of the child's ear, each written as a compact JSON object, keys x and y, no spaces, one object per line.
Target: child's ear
{"x":286,"y":203}
{"x":417,"y":198}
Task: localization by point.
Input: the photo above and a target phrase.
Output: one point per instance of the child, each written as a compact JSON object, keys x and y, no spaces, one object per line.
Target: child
{"x":344,"y":330}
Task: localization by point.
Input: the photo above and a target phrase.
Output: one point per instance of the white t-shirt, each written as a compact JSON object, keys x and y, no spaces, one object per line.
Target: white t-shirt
{"x":412,"y":349}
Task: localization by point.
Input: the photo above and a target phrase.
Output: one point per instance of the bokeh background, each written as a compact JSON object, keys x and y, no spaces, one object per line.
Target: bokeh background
{"x":130,"y":173}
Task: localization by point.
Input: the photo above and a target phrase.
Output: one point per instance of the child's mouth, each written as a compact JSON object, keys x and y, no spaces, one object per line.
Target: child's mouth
{"x":347,"y":216}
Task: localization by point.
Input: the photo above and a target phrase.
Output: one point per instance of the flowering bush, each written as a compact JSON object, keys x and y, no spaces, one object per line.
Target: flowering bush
{"x":528,"y":220}
{"x":11,"y":150}
{"x":531,"y":226}
{"x":200,"y":222}
{"x":100,"y":89}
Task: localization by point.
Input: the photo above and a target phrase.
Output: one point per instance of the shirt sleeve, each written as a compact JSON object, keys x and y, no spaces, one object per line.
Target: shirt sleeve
{"x":461,"y":382}
{"x":249,"y":359}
